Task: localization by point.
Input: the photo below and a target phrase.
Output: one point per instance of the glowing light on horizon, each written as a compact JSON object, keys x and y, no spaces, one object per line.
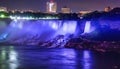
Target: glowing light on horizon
{"x":31,"y":18}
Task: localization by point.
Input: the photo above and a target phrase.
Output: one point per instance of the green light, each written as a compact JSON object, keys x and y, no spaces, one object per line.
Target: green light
{"x":2,"y":16}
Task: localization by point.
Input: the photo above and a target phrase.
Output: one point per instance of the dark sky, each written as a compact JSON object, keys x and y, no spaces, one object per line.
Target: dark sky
{"x":75,"y":5}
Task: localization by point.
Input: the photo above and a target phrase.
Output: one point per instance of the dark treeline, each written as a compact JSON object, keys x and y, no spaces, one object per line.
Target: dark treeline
{"x":114,"y":14}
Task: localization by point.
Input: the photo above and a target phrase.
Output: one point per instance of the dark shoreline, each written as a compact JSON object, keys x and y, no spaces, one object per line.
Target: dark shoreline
{"x":97,"y":49}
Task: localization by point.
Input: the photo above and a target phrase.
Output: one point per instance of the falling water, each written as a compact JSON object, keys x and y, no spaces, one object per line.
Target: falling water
{"x":87,"y":27}
{"x":35,"y":31}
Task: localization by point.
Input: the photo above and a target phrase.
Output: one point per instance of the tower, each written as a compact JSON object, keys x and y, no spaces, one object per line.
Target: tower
{"x":51,"y":7}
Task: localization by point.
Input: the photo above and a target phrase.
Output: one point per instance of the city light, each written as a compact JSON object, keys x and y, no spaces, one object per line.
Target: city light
{"x":2,"y":16}
{"x":31,"y":18}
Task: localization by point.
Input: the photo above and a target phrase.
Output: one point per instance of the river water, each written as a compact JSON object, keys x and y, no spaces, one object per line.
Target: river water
{"x":34,"y":57}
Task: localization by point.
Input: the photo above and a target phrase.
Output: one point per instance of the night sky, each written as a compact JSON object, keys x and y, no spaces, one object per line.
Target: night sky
{"x":75,"y":5}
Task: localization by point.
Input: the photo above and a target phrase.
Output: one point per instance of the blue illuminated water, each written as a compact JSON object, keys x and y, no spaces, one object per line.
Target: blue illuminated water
{"x":34,"y":57}
{"x":35,"y":31}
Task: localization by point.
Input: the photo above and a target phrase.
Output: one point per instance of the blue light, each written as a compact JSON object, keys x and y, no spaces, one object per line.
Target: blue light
{"x":20,"y":25}
{"x":87,"y":27}
{"x":87,"y":59}
{"x":55,"y":26}
{"x":69,"y":27}
{"x":86,"y":54}
{"x":44,"y":29}
{"x":3,"y":36}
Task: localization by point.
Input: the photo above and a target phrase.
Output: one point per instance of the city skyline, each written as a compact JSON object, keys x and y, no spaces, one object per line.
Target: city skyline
{"x":75,"y":5}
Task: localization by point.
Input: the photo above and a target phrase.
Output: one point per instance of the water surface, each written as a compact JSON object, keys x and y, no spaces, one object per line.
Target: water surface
{"x":34,"y":57}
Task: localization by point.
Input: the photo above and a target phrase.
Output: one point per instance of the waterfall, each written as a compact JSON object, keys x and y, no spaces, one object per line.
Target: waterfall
{"x":87,"y":27}
{"x":35,"y":31}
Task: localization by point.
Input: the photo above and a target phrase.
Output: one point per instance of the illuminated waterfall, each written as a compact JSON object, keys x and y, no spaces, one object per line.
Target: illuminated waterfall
{"x":87,"y":27}
{"x":33,"y":31}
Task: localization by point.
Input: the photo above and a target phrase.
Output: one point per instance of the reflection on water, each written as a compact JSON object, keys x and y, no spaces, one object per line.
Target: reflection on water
{"x":68,"y":55}
{"x":87,"y":59}
{"x":13,"y":62}
{"x":8,"y":58}
{"x":2,"y":58}
{"x":34,"y":57}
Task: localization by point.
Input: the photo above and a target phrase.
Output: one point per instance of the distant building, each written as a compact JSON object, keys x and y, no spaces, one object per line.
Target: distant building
{"x":51,"y":7}
{"x":65,"y":10}
{"x":3,"y":9}
{"x":84,"y":12}
{"x":107,"y":9}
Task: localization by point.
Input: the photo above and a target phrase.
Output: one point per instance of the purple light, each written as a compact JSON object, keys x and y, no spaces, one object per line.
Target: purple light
{"x":69,"y":27}
{"x":86,"y":59}
{"x":87,"y":27}
{"x":86,"y":54}
{"x":39,"y":29}
{"x":53,"y":24}
{"x":20,"y":25}
{"x":17,"y":24}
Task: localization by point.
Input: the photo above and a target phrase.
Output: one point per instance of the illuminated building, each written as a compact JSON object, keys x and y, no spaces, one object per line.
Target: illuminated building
{"x":107,"y":9}
{"x":51,"y":7}
{"x":84,"y":12}
{"x":65,"y":10}
{"x":3,"y":9}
